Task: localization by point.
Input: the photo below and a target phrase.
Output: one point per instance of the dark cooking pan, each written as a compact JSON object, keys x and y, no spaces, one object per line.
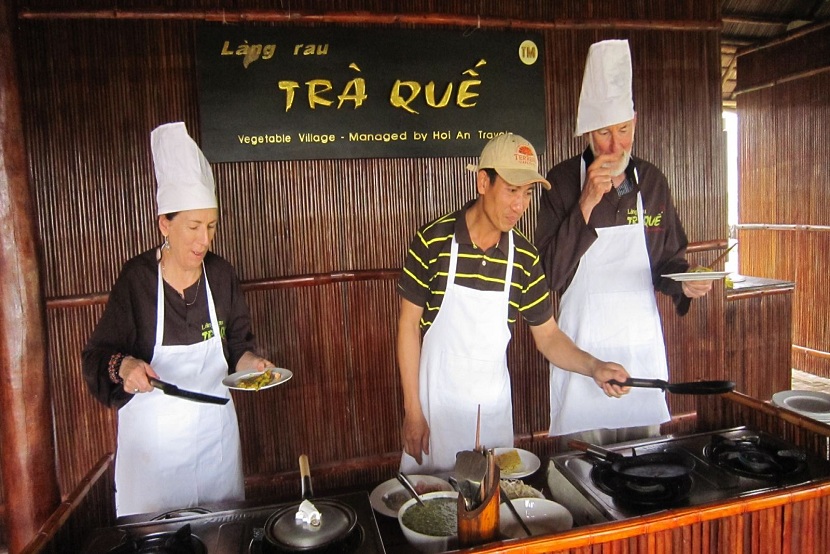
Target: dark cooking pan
{"x":283,"y":532}
{"x":654,"y":466}
{"x":692,"y":387}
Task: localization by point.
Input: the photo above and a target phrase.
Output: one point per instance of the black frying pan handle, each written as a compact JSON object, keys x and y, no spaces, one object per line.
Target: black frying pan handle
{"x":638,"y":382}
{"x":594,"y":450}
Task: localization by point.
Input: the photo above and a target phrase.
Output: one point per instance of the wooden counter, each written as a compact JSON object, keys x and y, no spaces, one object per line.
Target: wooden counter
{"x":793,"y":520}
{"x":787,"y":521}
{"x":759,"y":336}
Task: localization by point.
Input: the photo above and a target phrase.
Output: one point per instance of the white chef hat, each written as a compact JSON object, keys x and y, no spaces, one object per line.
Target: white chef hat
{"x":185,"y":180}
{"x":606,"y":97}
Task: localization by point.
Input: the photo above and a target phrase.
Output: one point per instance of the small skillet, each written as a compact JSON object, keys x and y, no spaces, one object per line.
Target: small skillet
{"x":645,"y":468}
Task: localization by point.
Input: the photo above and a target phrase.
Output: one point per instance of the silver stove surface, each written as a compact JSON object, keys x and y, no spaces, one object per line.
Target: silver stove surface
{"x":236,"y":531}
{"x":570,"y":481}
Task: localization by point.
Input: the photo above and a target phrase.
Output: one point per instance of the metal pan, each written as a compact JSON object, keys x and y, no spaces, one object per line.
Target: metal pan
{"x":284,"y":533}
{"x":655,"y":466}
{"x":692,"y":387}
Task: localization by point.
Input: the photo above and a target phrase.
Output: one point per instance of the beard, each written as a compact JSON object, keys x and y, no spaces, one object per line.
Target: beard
{"x":617,"y":168}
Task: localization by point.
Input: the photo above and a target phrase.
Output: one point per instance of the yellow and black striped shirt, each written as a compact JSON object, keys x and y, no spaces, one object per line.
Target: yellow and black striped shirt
{"x":424,"y":277}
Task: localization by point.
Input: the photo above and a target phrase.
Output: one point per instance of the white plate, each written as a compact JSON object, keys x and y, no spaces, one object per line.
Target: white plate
{"x":541,"y":516}
{"x":530,"y":463}
{"x":231,"y":380}
{"x":392,"y":491}
{"x":811,"y":403}
{"x":697,"y":275}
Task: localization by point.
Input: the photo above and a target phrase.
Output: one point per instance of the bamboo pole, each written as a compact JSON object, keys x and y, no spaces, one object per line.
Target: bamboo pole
{"x":367,"y":18}
{"x":29,"y":474}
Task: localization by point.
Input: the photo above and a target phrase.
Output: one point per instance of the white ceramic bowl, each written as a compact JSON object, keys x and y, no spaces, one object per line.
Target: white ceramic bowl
{"x":541,"y":516}
{"x":428,"y":543}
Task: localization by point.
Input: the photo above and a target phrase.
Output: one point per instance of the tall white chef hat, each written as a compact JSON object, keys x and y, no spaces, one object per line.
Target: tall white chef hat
{"x":606,"y":97}
{"x":185,"y":180}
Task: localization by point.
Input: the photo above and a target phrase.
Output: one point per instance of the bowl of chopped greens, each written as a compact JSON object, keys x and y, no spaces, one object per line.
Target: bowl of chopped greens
{"x":432,"y":527}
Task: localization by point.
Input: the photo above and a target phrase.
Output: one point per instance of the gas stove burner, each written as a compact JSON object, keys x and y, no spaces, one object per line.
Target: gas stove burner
{"x":348,"y":545}
{"x":640,"y":492}
{"x":751,"y":456}
{"x":178,"y":542}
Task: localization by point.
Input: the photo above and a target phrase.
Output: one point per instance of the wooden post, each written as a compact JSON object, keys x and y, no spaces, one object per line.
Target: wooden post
{"x":28,"y":464}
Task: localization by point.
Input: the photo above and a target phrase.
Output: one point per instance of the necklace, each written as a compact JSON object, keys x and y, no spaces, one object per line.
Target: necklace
{"x":195,"y":296}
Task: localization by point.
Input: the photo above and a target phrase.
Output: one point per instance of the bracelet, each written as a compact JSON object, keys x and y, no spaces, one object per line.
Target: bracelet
{"x":114,"y":366}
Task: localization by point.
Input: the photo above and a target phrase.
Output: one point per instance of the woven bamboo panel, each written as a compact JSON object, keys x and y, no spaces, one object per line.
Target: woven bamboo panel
{"x":93,"y":90}
{"x":759,"y":344}
{"x":784,"y":196}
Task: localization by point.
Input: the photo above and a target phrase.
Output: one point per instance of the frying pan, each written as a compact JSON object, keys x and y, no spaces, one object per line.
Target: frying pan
{"x":692,"y":387}
{"x":654,"y":466}
{"x":284,"y":533}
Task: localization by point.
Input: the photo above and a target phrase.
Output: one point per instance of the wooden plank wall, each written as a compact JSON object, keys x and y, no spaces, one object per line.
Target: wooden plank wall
{"x":94,"y":90}
{"x":784,"y":201}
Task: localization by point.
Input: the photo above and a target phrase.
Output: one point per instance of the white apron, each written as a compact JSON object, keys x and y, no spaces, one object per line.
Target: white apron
{"x":175,"y":453}
{"x":464,"y":364}
{"x":610,"y":311}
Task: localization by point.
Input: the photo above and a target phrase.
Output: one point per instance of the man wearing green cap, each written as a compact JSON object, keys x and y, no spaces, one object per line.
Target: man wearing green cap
{"x":467,"y":277}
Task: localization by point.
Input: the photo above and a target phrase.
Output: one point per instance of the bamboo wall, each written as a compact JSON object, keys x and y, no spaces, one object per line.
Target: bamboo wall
{"x":784,"y":201}
{"x":94,"y":89}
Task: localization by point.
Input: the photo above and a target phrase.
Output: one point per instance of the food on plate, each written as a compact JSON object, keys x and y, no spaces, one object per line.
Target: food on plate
{"x":509,"y":461}
{"x":394,"y":500}
{"x":257,"y":381}
{"x":514,"y":488}
{"x":437,"y":517}
{"x":700,"y":269}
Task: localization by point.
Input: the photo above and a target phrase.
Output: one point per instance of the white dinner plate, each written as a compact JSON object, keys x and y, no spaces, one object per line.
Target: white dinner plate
{"x":697,"y":275}
{"x":232,"y":380}
{"x":541,"y":516}
{"x":814,"y":404}
{"x":390,"y":495}
{"x":530,"y":463}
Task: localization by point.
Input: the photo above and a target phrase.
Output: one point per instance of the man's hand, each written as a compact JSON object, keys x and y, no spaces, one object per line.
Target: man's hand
{"x":415,"y":436}
{"x":598,"y":181}
{"x":606,"y":371}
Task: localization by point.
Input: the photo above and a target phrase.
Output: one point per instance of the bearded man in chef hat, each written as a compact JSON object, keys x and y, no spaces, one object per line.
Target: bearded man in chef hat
{"x":607,"y":231}
{"x":177,"y":314}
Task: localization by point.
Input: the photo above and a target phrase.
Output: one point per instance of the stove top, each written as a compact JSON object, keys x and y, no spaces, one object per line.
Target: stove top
{"x":226,"y":532}
{"x":730,"y":463}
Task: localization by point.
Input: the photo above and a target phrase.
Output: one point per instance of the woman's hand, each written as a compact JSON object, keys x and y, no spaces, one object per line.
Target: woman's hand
{"x":135,"y":374}
{"x":249,"y":360}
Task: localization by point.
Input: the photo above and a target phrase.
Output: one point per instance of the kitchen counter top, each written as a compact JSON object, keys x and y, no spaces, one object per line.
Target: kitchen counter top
{"x":751,"y":284}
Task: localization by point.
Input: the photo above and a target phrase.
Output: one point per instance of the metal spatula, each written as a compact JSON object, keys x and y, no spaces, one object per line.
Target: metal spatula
{"x":470,"y":470}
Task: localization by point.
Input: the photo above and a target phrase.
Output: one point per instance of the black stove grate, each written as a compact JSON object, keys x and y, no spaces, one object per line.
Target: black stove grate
{"x":752,"y":456}
{"x":181,"y":541}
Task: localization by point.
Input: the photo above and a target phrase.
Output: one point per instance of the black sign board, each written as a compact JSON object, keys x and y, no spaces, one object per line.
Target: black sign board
{"x":270,"y":93}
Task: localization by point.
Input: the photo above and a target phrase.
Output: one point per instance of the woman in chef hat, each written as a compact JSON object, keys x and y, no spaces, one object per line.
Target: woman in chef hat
{"x":176,"y":313}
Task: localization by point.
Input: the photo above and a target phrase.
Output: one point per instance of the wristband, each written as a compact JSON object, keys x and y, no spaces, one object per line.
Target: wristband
{"x":114,"y":366}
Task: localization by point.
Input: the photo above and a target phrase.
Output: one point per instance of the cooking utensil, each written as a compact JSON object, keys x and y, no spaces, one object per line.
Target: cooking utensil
{"x":454,"y":484}
{"x":654,"y":466}
{"x":470,"y":469}
{"x":286,"y":533}
{"x":722,"y":256}
{"x":173,"y":390}
{"x":512,"y":508}
{"x":692,"y":387}
{"x":409,"y":488}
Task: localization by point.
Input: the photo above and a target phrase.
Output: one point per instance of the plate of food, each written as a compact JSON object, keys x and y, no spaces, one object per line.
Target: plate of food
{"x":388,"y":497}
{"x":515,"y":463}
{"x":254,"y":380}
{"x":515,"y":488}
{"x":697,"y":275}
